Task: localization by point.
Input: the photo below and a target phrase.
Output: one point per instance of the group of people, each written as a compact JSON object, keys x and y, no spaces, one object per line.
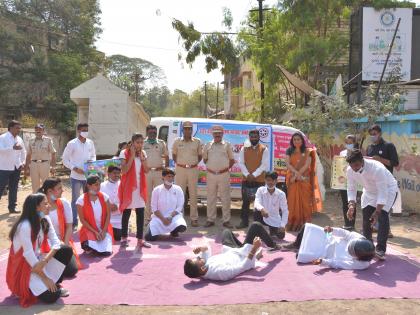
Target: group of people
{"x":42,"y":250}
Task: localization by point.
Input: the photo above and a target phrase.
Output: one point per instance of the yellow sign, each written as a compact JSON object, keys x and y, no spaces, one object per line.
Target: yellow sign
{"x":339,"y":174}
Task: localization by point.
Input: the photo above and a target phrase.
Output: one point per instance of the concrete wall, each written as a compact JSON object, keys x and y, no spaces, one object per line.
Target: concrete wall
{"x":404,"y":132}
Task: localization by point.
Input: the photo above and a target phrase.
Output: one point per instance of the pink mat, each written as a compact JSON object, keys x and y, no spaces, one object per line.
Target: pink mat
{"x":157,"y":278}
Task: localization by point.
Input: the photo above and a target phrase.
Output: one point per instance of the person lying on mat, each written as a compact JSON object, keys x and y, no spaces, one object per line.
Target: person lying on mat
{"x":332,"y":247}
{"x":33,"y":272}
{"x":62,"y":220}
{"x":235,"y":258}
{"x":167,"y":206}
{"x":96,"y":234}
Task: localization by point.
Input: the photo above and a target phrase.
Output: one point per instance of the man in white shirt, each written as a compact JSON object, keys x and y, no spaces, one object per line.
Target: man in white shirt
{"x":271,"y":206}
{"x":254,"y":161}
{"x":167,"y":207}
{"x":77,"y":152}
{"x":110,"y":187}
{"x":12,"y":161}
{"x":332,"y":247}
{"x":236,"y":257}
{"x":380,"y":190}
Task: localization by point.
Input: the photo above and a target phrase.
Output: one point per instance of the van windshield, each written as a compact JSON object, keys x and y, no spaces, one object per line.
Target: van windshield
{"x":163,"y":133}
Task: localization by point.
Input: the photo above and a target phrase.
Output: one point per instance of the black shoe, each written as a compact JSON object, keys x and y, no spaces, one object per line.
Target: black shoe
{"x":241,"y":225}
{"x":14,"y":211}
{"x":174,"y":234}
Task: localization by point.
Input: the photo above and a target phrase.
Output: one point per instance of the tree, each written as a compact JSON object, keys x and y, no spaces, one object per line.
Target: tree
{"x":47,"y":48}
{"x":131,"y":74}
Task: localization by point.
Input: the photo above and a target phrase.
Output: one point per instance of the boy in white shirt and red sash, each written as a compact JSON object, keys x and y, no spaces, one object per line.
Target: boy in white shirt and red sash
{"x":110,"y":188}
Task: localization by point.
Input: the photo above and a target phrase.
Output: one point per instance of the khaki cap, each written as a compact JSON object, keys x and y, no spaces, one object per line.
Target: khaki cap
{"x":187,"y":124}
{"x":217,"y":128}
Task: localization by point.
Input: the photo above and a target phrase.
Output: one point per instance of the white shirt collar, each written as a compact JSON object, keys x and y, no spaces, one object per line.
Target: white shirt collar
{"x":276,"y":191}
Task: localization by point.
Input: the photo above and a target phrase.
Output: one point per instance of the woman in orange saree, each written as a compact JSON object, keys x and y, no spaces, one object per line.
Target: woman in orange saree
{"x":301,"y":182}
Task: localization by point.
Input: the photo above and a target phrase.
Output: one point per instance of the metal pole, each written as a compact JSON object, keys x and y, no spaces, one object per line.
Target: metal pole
{"x":205,"y":99}
{"x":386,"y":61}
{"x":217,"y":100}
{"x":261,"y":24}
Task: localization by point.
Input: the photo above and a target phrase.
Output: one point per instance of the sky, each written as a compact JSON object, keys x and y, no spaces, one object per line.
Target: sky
{"x":140,"y":28}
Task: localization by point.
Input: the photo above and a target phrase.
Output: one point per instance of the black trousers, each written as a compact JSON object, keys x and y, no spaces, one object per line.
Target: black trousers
{"x":63,"y":255}
{"x":150,"y":238}
{"x":71,"y":268}
{"x":383,"y":227}
{"x":117,"y":234}
{"x":246,"y":199}
{"x":344,"y":200}
{"x":273,"y":230}
{"x":10,"y":178}
{"x":139,"y":222}
{"x":299,"y":236}
{"x":255,"y":229}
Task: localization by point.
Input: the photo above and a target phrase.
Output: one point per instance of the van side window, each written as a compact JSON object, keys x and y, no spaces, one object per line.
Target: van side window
{"x":163,"y":133}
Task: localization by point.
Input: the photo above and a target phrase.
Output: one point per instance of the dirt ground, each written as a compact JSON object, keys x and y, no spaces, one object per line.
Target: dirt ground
{"x":406,"y":230}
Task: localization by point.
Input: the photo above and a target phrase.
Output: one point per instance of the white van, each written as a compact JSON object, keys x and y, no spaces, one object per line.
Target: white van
{"x":275,"y":137}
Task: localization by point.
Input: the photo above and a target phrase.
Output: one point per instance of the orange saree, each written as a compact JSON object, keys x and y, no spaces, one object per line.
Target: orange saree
{"x":303,"y":195}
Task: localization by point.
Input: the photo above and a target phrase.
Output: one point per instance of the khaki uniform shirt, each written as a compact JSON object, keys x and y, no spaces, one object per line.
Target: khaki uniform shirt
{"x":218,"y":155}
{"x":41,"y":149}
{"x":187,"y":152}
{"x":155,"y":153}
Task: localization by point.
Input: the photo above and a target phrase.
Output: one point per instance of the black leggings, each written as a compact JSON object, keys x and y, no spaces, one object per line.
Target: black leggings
{"x":273,"y":230}
{"x":117,"y":234}
{"x":255,"y":229}
{"x":63,"y":255}
{"x":139,"y":222}
{"x":150,"y":238}
{"x":71,"y":268}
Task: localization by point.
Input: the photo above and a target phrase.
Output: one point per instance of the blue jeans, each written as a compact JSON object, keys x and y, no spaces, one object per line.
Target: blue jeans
{"x":76,"y":186}
{"x":10,"y":178}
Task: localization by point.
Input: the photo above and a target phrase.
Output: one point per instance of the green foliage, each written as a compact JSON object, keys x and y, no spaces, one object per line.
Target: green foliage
{"x":47,"y":48}
{"x":131,"y":74}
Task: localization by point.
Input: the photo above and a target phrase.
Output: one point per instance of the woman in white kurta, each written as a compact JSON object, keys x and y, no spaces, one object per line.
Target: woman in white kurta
{"x":96,"y":234}
{"x":167,"y":206}
{"x":37,"y":259}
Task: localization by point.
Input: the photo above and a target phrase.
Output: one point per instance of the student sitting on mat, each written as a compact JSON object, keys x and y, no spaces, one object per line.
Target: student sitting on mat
{"x":110,"y":188}
{"x":62,"y":219}
{"x":167,"y":207}
{"x":96,"y":234}
{"x":236,"y":257}
{"x":32,"y":272}
{"x":332,"y":247}
{"x":269,"y":203}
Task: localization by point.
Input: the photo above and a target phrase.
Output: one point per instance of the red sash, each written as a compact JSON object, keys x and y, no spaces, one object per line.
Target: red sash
{"x":129,"y":183}
{"x":18,"y":274}
{"x":85,"y":233}
{"x":62,"y":227}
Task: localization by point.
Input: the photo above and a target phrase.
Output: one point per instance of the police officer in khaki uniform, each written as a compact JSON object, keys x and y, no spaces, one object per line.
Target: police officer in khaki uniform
{"x":157,"y":159}
{"x":40,"y":159}
{"x":218,"y":156}
{"x":187,"y":153}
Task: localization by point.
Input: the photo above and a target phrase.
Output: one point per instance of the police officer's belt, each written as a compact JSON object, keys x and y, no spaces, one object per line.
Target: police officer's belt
{"x":40,"y":161}
{"x":218,"y":172}
{"x":156,"y":168}
{"x":186,"y":165}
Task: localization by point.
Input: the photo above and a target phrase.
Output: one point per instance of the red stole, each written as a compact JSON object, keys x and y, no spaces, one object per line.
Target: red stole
{"x":18,"y":274}
{"x":129,"y":183}
{"x":62,"y":227}
{"x":85,"y":233}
